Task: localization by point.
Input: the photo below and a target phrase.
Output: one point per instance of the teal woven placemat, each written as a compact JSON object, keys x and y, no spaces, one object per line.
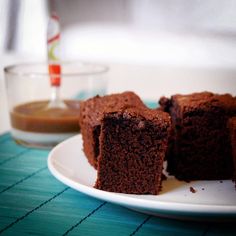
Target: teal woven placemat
{"x":33,"y":202}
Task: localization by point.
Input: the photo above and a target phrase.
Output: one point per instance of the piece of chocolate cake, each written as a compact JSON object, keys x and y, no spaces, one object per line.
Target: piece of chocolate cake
{"x":91,"y":113}
{"x":133,"y":145}
{"x":232,"y":128}
{"x":199,"y":148}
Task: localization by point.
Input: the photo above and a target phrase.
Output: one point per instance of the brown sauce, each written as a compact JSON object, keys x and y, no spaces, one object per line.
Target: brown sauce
{"x":36,"y":117}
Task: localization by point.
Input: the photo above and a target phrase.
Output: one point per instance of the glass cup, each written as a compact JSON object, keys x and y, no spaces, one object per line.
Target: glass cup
{"x":33,"y":122}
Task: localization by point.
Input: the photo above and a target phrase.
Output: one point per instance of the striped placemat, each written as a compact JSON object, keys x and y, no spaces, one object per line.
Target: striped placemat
{"x":33,"y":202}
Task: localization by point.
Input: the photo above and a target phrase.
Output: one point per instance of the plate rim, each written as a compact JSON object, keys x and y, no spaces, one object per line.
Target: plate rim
{"x":129,"y":201}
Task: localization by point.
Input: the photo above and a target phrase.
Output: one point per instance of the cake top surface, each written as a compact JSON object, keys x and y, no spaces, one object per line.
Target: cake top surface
{"x":154,"y":115}
{"x":94,"y":108}
{"x":204,"y":99}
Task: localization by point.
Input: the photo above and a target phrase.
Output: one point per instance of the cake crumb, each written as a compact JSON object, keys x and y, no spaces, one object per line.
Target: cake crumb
{"x":192,"y":190}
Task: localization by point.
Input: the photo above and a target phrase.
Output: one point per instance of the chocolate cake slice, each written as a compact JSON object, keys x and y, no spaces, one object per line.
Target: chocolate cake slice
{"x":133,"y":145}
{"x":232,"y":128}
{"x":91,"y":113}
{"x":199,"y":148}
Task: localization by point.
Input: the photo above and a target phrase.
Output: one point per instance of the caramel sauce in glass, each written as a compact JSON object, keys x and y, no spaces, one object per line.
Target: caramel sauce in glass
{"x":36,"y":117}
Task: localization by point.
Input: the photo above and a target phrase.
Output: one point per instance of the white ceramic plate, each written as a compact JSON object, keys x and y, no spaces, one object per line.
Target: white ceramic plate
{"x":213,"y":200}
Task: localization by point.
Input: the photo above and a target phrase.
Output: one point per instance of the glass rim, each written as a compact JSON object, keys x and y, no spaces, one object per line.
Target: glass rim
{"x":10,"y":69}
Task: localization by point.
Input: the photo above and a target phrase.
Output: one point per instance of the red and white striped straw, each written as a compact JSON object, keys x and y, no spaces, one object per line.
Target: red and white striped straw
{"x":53,"y":40}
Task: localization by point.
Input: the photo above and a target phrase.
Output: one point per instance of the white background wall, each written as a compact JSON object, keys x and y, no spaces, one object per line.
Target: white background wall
{"x":149,"y":32}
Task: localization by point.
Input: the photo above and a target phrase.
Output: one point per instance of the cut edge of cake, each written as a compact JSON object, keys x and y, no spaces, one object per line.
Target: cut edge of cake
{"x":126,"y":140}
{"x":232,"y":130}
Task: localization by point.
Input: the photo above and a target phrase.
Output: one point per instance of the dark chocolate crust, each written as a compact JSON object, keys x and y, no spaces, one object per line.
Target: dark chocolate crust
{"x":199,"y":148}
{"x":91,"y":114}
{"x":133,"y":145}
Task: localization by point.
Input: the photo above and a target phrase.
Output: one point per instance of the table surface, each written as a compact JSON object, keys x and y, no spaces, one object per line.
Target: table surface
{"x":33,"y":202}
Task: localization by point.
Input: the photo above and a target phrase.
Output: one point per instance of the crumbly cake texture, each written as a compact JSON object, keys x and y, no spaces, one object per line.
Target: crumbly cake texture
{"x":91,"y":113}
{"x":133,"y":143}
{"x":199,"y":147}
{"x":232,"y":128}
